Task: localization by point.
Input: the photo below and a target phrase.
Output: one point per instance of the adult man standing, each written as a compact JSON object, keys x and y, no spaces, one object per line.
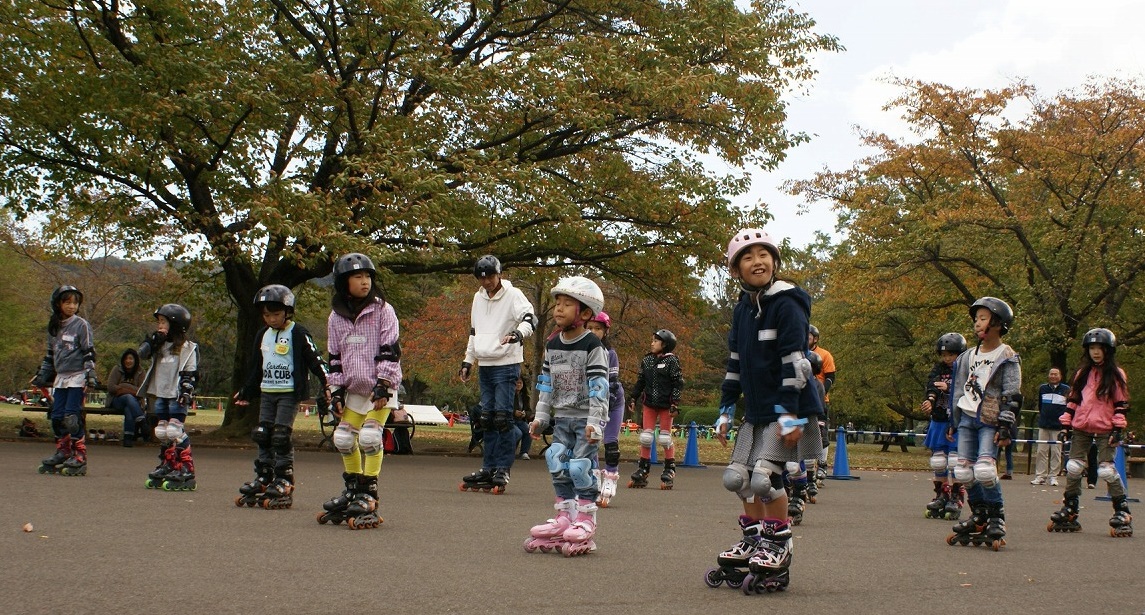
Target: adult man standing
{"x":1051,"y":404}
{"x":500,"y":319}
{"x":826,"y":377}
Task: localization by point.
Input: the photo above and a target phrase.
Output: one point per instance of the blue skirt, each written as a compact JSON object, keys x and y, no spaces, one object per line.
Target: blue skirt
{"x":936,"y":438}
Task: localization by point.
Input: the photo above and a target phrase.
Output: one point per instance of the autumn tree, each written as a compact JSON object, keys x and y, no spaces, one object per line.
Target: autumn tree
{"x":267,"y":137}
{"x":998,"y":192}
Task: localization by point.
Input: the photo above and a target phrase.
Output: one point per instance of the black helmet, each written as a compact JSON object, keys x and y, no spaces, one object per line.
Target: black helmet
{"x":1099,"y":336}
{"x":951,"y":342}
{"x":175,"y":314}
{"x":813,"y":330}
{"x":275,"y":293}
{"x":486,"y":265}
{"x":668,"y":338}
{"x":61,"y":291}
{"x":816,"y":362}
{"x":351,"y":263}
{"x":997,"y":307}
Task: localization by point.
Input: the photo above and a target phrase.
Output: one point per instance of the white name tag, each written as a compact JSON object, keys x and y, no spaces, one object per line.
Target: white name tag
{"x":67,"y":337}
{"x":356,"y":339}
{"x":768,"y":334}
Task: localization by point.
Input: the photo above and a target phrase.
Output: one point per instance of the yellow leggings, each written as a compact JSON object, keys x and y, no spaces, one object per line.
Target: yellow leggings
{"x":355,"y":462}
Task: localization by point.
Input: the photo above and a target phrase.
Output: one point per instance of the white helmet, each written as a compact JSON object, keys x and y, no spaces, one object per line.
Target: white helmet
{"x":582,"y":289}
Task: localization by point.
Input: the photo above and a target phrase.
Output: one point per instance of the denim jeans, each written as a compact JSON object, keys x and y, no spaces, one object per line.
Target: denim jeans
{"x":129,"y":405}
{"x":498,"y":386}
{"x":976,"y":443}
{"x":167,"y":409}
{"x":65,"y":402}
{"x":570,"y":433}
{"x":526,"y":441}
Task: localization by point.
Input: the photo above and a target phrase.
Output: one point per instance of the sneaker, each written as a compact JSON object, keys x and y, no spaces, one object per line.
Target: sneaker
{"x":1038,"y":481}
{"x":1007,"y":476}
{"x":1053,"y":482}
{"x":523,"y":456}
{"x":1090,"y":486}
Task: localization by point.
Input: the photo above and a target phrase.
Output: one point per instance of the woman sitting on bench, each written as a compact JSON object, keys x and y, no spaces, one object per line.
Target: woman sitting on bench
{"x":122,"y":388}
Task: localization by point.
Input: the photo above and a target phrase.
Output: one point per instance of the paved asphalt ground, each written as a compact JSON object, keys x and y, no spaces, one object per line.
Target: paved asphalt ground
{"x":104,"y":544}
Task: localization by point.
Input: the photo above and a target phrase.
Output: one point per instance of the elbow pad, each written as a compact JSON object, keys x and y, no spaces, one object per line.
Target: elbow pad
{"x":545,"y":383}
{"x":598,"y":388}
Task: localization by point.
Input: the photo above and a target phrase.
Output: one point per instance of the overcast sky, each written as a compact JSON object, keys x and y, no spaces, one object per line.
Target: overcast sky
{"x":1052,"y":44}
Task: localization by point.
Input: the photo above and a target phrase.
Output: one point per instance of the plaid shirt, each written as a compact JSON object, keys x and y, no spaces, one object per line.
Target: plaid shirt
{"x":365,"y":350}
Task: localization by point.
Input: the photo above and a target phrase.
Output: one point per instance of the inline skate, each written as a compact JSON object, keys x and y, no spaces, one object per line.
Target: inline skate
{"x":481,"y":480}
{"x":362,"y":511}
{"x":166,"y":466}
{"x":334,"y":509}
{"x":578,"y":537}
{"x":668,"y":476}
{"x":608,"y":480}
{"x":1120,"y":525}
{"x":182,"y":477}
{"x":55,"y":463}
{"x":549,"y":536}
{"x":1065,"y":520}
{"x":812,"y":491}
{"x":76,"y":465}
{"x":996,"y":526}
{"x":770,"y":566}
{"x":936,"y":508}
{"x":500,"y":481}
{"x":985,"y":526}
{"x":954,"y":502}
{"x":279,"y":494}
{"x":796,"y":505}
{"x":640,"y":476}
{"x":733,"y":563}
{"x":253,"y":492}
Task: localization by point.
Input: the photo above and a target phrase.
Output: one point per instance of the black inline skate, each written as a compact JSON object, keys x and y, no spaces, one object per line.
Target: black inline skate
{"x":55,"y":463}
{"x":254,"y":492}
{"x":812,"y":492}
{"x":182,"y":477}
{"x":936,"y":508}
{"x":640,"y":476}
{"x":668,"y":476}
{"x":1120,"y":525}
{"x":166,"y":465}
{"x":362,"y":511}
{"x":971,"y":529}
{"x":76,"y":465}
{"x":500,"y":481}
{"x":771,"y":564}
{"x":1065,"y":520}
{"x":733,"y":563}
{"x":796,"y":504}
{"x":481,"y":480}
{"x":280,"y":493}
{"x":996,"y":526}
{"x":954,"y":502}
{"x":334,"y":509}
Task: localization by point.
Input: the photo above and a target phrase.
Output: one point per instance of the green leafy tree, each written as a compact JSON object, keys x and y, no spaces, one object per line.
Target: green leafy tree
{"x":268,"y":137}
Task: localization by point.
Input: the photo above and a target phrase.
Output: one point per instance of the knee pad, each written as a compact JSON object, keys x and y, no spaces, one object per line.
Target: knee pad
{"x":612,"y":453}
{"x":487,"y":420}
{"x":261,"y":434}
{"x":767,"y":481}
{"x":986,"y":472}
{"x":792,"y":467}
{"x":161,"y":431}
{"x":951,"y":462}
{"x":344,"y":438}
{"x":72,"y":424}
{"x":555,"y":458}
{"x":964,"y":473}
{"x":371,"y":438}
{"x":1075,"y":468}
{"x":737,"y":478}
{"x":175,"y":431}
{"x":646,"y":438}
{"x":665,"y":440}
{"x":938,"y":462}
{"x":1108,"y":473}
{"x":501,"y":422}
{"x":580,"y":470}
{"x":280,"y":440}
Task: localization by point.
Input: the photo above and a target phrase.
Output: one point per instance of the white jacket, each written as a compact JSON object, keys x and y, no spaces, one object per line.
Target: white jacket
{"x":491,"y":319}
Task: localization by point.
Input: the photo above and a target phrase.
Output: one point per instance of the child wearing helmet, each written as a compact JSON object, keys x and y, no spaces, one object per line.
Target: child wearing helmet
{"x":1095,"y":413}
{"x":365,"y":371}
{"x":768,"y":368}
{"x":948,"y":492}
{"x":985,"y":401}
{"x":572,"y":394}
{"x":170,"y":382}
{"x":659,"y":385}
{"x":600,"y":326}
{"x":284,"y":351}
{"x":68,"y":367}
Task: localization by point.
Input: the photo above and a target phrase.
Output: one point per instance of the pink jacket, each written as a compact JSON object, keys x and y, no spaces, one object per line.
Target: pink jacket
{"x":365,"y":350}
{"x":1095,"y":415}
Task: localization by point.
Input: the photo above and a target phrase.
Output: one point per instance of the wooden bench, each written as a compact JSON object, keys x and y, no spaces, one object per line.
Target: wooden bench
{"x":100,"y":410}
{"x":1135,"y":467}
{"x":888,"y":440}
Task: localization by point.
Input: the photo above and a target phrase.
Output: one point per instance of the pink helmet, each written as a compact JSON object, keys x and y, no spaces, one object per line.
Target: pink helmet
{"x":747,"y":237}
{"x":603,"y":318}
